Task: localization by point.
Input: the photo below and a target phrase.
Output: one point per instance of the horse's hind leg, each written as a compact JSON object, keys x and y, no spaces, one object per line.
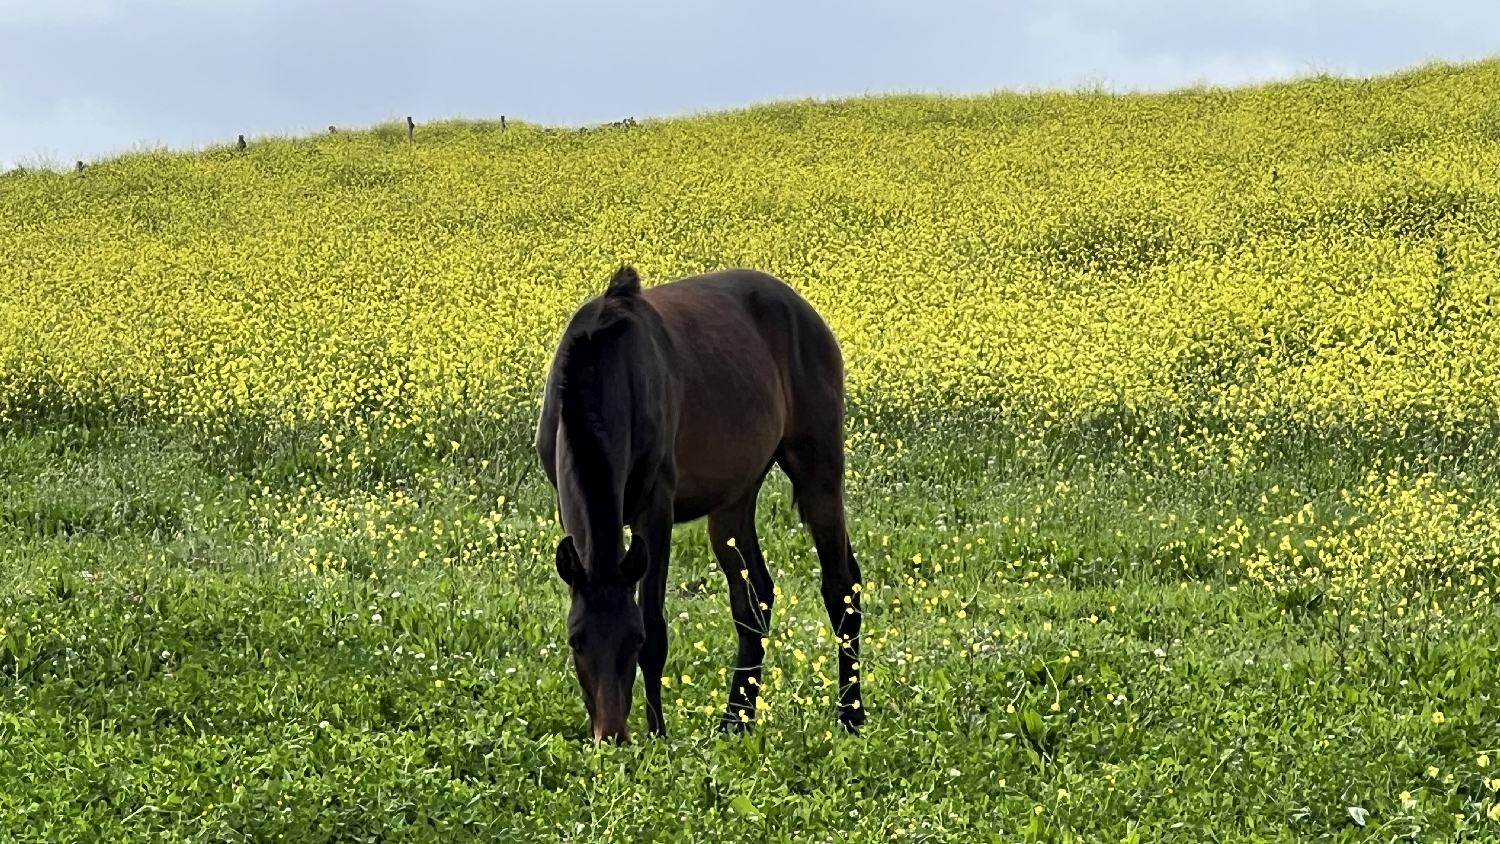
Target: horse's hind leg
{"x":732,"y":533}
{"x":816,"y":467}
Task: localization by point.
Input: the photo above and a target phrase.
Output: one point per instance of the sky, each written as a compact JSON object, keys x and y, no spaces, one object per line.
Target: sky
{"x":84,"y":79}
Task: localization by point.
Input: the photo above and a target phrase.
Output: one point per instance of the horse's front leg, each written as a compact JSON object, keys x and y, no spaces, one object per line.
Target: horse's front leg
{"x":655,"y":528}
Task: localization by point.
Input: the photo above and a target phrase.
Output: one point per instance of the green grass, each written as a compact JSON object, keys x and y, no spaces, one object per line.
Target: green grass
{"x":168,"y":672}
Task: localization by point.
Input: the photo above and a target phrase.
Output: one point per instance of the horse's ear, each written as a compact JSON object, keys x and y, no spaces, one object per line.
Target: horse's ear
{"x":569,"y":567}
{"x":625,"y":282}
{"x":633,"y":567}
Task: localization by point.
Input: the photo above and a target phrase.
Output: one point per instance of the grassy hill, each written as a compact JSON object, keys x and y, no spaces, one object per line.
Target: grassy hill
{"x":1173,"y":443}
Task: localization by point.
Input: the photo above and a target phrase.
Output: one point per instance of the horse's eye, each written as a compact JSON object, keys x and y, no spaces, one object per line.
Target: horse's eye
{"x":576,"y":641}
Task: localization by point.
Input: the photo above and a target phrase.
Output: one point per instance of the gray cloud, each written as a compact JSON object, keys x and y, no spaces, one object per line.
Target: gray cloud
{"x":84,"y":78}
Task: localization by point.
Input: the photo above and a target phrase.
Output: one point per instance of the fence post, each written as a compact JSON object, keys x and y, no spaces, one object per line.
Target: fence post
{"x":411,"y":128}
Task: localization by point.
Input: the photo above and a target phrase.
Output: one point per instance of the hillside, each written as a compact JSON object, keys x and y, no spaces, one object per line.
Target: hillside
{"x":1207,"y":253}
{"x":1173,"y":471}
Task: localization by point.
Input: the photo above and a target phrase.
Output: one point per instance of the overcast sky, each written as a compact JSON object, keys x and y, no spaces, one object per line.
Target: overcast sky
{"x":86,"y":78}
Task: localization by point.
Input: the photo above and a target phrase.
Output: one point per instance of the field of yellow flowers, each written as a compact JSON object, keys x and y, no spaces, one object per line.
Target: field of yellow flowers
{"x":1174,"y":449}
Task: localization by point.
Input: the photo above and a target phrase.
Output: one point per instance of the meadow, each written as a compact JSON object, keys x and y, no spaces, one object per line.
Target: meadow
{"x":1174,"y":440}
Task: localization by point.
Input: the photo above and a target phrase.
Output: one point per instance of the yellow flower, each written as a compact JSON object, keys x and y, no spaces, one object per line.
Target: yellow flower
{"x":1437,"y":716}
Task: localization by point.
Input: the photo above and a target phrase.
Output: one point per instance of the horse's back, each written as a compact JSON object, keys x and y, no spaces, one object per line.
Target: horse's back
{"x":719,"y":317}
{"x":756,"y":365}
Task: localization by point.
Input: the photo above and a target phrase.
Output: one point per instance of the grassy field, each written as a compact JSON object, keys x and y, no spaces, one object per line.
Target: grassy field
{"x":1174,"y":472}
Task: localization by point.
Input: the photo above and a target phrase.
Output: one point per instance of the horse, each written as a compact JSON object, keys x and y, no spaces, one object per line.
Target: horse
{"x":667,"y":404}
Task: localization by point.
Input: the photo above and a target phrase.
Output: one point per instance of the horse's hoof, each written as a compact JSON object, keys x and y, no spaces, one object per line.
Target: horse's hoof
{"x":852,"y":719}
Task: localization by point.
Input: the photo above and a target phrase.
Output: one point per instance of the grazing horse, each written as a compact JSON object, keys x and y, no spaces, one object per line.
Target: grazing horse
{"x":672,"y":403}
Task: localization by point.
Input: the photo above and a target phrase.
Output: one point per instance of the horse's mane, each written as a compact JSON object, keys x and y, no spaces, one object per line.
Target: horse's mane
{"x":583,"y":381}
{"x":584,"y":389}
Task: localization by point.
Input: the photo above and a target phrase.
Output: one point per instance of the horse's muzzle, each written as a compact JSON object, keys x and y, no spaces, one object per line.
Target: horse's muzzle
{"x":614,"y":733}
{"x":610,"y":715}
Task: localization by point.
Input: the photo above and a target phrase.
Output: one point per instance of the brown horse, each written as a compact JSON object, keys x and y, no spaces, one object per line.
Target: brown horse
{"x":672,"y":403}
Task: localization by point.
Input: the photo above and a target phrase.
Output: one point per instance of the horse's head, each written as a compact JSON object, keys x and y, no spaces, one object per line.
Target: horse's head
{"x":604,"y":389}
{"x":605,"y":633}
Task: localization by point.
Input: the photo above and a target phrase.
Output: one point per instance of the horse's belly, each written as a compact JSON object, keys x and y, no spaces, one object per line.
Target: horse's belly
{"x":720,"y":457}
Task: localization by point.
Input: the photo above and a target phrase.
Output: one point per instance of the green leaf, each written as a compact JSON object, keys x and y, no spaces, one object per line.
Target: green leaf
{"x":1031,"y":720}
{"x":742,"y":804}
